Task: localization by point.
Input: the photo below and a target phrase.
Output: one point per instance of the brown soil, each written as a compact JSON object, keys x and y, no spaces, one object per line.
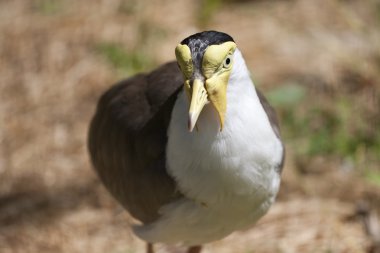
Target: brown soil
{"x":52,"y":75}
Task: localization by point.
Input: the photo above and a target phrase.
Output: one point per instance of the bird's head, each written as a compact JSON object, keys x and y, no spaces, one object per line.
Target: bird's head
{"x":206,"y":61}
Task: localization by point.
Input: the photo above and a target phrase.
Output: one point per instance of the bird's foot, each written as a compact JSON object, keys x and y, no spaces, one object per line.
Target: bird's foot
{"x":149,"y":248}
{"x":195,"y":249}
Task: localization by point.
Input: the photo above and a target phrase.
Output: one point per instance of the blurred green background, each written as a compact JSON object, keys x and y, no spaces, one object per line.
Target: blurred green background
{"x":318,"y":62}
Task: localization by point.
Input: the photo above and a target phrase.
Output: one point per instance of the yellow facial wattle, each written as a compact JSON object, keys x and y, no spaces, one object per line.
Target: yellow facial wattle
{"x":216,"y":65}
{"x":183,"y":55}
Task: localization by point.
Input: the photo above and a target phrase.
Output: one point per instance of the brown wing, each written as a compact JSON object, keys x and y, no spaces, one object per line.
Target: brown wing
{"x":272,"y":116}
{"x":127,"y":140}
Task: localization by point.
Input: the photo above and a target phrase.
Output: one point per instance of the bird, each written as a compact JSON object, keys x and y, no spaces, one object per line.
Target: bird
{"x":192,"y":150}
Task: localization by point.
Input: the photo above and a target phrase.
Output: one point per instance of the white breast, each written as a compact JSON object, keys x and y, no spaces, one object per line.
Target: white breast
{"x":229,"y":177}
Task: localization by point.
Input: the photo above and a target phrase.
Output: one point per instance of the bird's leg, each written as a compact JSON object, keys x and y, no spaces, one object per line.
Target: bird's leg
{"x":149,"y":248}
{"x":195,"y":249}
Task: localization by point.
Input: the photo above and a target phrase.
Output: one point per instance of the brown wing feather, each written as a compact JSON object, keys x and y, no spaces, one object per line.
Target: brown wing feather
{"x":127,"y":140}
{"x":272,"y":116}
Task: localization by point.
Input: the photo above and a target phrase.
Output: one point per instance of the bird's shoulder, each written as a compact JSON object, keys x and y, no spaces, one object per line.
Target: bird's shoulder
{"x":127,"y":140}
{"x":274,"y":122}
{"x":271,"y":113}
{"x":135,"y":101}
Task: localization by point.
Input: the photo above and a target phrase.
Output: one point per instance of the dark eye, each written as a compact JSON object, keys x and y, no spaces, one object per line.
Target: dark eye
{"x":227,"y":62}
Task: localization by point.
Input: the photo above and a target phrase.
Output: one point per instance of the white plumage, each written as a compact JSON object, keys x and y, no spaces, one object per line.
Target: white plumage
{"x":229,"y":178}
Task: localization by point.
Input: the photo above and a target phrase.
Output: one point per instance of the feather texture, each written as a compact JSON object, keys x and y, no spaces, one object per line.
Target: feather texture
{"x":177,"y":194}
{"x":127,"y":140}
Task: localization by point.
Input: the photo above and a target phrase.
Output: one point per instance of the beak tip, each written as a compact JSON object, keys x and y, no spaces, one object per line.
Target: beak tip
{"x":189,"y":126}
{"x":191,"y":123}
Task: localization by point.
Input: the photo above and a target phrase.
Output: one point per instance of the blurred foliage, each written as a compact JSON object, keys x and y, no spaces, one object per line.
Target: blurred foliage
{"x":206,"y":10}
{"x":138,"y":58}
{"x":333,"y":125}
{"x":373,"y":177}
{"x":287,"y":95}
{"x":126,"y":62}
{"x":48,"y":7}
{"x":128,"y":7}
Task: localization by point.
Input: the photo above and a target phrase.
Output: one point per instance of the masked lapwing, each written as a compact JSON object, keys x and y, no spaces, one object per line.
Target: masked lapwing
{"x":191,"y":149}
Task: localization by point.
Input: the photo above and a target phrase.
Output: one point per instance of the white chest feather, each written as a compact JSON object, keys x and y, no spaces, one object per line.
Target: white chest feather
{"x":211,"y":165}
{"x":229,"y":177}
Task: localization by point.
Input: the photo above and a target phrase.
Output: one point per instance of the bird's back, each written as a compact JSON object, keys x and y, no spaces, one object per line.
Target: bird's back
{"x":127,"y":140}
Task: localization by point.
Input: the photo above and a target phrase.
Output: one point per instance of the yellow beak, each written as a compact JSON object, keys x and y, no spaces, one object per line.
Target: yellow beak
{"x":198,"y":101}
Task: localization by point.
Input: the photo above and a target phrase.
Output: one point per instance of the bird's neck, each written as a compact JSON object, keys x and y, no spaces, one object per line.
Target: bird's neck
{"x":245,"y":119}
{"x":244,"y":109}
{"x":245,"y":151}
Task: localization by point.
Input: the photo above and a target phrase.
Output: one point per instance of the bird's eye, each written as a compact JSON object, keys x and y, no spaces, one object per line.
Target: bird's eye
{"x":227,"y":62}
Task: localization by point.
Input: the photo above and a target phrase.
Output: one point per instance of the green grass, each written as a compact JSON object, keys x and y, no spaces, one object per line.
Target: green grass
{"x":287,"y":95}
{"x":332,"y":125}
{"x":373,"y":177}
{"x":48,"y":7}
{"x":126,"y":62}
{"x":128,"y":7}
{"x":206,"y":10}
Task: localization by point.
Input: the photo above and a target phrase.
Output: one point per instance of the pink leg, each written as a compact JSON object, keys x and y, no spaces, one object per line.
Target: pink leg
{"x":195,"y":249}
{"x":149,"y":248}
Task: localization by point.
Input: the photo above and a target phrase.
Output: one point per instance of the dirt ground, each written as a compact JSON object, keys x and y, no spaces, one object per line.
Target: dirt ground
{"x":52,"y":74}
